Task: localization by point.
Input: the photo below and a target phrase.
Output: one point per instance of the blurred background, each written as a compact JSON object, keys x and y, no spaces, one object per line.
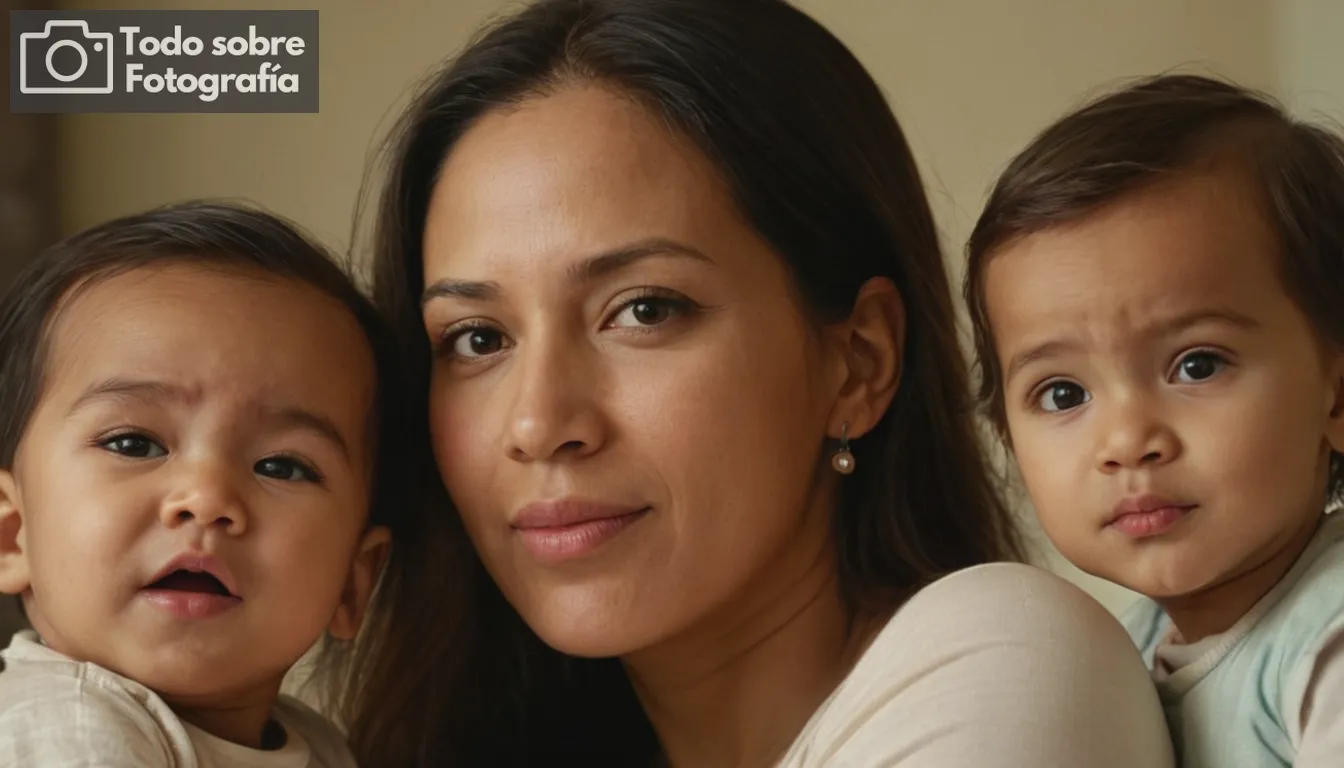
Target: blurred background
{"x":971,"y":81}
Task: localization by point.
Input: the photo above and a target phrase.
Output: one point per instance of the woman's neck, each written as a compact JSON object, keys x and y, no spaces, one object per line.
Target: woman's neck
{"x":735,"y":691}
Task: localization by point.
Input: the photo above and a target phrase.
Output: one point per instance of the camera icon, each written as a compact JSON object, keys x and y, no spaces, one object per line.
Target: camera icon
{"x":40,"y":72}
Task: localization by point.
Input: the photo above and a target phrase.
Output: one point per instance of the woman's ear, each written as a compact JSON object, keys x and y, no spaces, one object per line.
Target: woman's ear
{"x":871,"y":350}
{"x":14,"y":577}
{"x":365,"y":570}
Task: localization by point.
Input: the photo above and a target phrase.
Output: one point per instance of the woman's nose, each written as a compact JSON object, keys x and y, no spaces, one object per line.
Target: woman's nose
{"x":555,"y":413}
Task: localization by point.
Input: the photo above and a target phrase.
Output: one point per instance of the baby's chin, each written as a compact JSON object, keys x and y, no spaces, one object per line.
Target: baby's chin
{"x":1164,"y":581}
{"x":196,"y":681}
{"x":191,"y":670}
{"x":216,"y":660}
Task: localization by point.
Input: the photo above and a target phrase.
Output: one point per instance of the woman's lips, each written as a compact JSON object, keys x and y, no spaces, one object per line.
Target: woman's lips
{"x":568,"y":529}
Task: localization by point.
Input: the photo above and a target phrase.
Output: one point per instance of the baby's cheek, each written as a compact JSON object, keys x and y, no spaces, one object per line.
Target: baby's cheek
{"x":309,"y":560}
{"x":1252,"y":455}
{"x":1043,"y":471}
{"x":1057,"y":489}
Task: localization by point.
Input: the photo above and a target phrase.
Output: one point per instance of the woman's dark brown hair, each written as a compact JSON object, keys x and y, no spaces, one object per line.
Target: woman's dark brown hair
{"x":819,"y":167}
{"x":1154,"y":131}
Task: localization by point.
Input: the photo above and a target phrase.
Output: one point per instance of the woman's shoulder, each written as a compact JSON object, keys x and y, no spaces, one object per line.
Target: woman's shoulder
{"x":1003,"y":596}
{"x":998,"y":580}
{"x":1006,"y":665}
{"x":1007,"y":613}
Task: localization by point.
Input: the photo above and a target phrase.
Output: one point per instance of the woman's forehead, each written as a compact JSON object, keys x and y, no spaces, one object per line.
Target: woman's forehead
{"x":569,"y":176}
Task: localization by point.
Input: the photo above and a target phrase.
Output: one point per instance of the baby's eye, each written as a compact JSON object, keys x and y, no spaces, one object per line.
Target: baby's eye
{"x":1198,"y":366}
{"x":133,"y":445}
{"x":284,"y":468}
{"x":1062,"y":396}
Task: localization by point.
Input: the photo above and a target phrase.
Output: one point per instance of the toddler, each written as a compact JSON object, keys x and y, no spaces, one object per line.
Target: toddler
{"x":1157,"y":292}
{"x":190,"y":492}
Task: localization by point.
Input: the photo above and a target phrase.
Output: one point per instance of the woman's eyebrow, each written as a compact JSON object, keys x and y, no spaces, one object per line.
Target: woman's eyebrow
{"x":619,"y":258}
{"x":461,"y":289}
{"x":585,"y":271}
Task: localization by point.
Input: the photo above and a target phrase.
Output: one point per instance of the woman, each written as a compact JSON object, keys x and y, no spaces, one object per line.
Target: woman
{"x":688,"y":356}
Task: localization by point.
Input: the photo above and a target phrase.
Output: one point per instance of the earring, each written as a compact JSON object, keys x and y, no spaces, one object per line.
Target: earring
{"x":842,"y":460}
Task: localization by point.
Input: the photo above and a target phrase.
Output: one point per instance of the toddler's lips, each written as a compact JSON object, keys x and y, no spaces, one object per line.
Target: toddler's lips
{"x":192,"y":585}
{"x":189,"y":605}
{"x":195,"y":572}
{"x":191,"y":581}
{"x":1141,"y":525}
{"x":1148,"y":515}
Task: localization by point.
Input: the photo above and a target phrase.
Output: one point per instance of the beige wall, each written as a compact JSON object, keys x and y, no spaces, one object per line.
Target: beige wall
{"x":971,"y":80}
{"x":305,"y":166}
{"x":1309,"y":57}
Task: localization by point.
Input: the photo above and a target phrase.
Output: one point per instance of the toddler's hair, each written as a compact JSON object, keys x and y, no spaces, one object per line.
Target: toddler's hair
{"x":1153,"y":131}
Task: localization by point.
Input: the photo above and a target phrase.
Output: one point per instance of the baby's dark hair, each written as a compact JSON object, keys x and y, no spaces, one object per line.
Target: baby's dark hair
{"x":212,"y":234}
{"x":1154,"y":131}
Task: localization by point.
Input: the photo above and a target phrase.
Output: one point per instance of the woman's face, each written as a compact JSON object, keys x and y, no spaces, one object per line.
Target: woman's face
{"x":628,"y":403}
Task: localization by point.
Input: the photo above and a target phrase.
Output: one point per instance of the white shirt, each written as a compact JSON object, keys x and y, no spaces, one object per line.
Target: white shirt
{"x":56,"y":712}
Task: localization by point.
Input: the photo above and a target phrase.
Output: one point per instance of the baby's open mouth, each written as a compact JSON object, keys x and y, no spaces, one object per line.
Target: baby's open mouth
{"x":183,"y":580}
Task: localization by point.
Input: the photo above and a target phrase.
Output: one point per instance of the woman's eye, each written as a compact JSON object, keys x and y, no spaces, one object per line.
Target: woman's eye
{"x":133,"y":446}
{"x":1062,"y":396}
{"x":476,"y":342}
{"x":1199,"y":366}
{"x":647,"y":311}
{"x":280,"y":468}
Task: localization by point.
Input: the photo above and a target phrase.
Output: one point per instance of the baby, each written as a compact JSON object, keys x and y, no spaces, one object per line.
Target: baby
{"x":1157,"y":291}
{"x":190,"y":492}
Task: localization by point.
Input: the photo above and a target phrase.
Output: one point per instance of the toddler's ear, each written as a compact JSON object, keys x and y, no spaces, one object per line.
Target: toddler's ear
{"x":1334,"y":429}
{"x":360,"y":583}
{"x":13,"y":558}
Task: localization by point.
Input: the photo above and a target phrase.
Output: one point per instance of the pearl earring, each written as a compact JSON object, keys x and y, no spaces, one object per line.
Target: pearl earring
{"x":842,"y":460}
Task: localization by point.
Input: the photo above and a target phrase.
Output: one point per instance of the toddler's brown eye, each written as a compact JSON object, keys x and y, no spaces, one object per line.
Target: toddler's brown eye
{"x":1199,"y":366}
{"x":134,"y":446}
{"x":281,"y":468}
{"x":1063,"y":396}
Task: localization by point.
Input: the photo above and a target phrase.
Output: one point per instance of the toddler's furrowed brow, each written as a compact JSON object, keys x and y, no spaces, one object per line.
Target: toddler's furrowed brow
{"x":142,"y":390}
{"x":1201,"y":316}
{"x":151,"y":391}
{"x":301,"y":418}
{"x":1042,"y":351}
{"x":1161,"y":327}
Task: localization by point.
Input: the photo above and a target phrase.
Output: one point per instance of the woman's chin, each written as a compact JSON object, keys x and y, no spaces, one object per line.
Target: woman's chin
{"x":587,"y":626}
{"x":585,"y":645}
